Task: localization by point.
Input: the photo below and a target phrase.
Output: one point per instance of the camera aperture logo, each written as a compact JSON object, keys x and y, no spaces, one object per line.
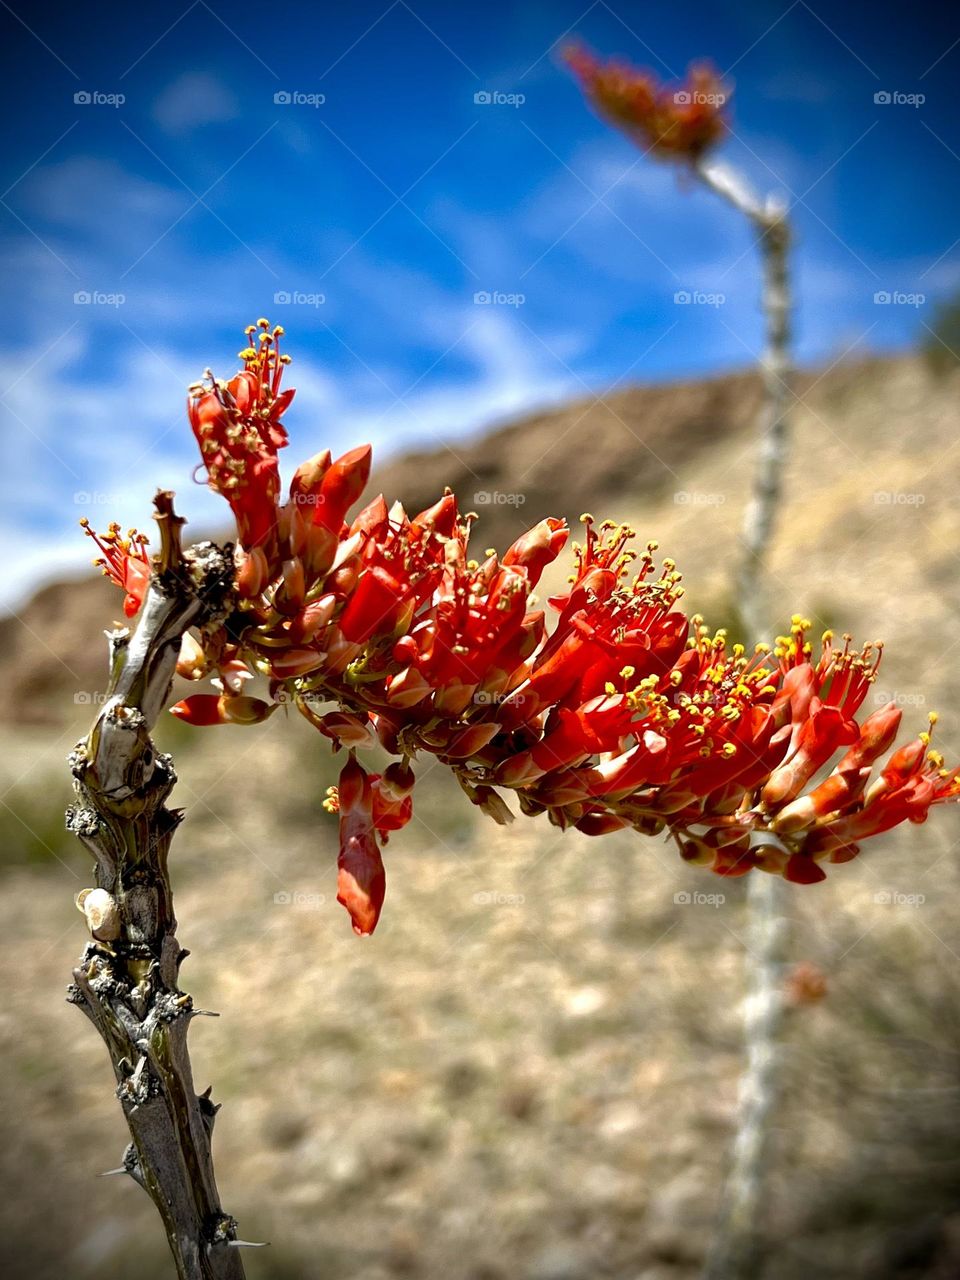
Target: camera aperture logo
{"x":698,"y":298}
{"x":498,"y":298}
{"x":898,"y":298}
{"x":94,"y":98}
{"x":299,"y":898}
{"x":297,"y":98}
{"x":298,"y":298}
{"x":694,"y":898}
{"x":694,"y":98}
{"x":494,"y":98}
{"x":894,"y":898}
{"x":894,"y":98}
{"x":691,"y":498}
{"x":496,"y":498}
{"x":896,"y":498}
{"x":97,"y":298}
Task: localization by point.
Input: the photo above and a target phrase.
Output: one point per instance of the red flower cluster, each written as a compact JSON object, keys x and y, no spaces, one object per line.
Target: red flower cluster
{"x":626,"y":714}
{"x":681,"y":120}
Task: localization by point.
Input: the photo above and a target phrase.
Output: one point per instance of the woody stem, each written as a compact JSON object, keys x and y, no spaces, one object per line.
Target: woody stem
{"x":735,"y":1252}
{"x":127,"y":979}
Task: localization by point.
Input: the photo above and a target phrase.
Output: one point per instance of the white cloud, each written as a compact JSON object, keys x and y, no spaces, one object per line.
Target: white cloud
{"x":193,"y":100}
{"x":94,"y":196}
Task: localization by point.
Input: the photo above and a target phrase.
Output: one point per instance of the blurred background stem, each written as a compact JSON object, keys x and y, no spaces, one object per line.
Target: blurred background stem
{"x":736,"y":1252}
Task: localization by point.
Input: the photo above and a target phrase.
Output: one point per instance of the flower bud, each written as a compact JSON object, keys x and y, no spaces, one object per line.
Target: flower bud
{"x":192,"y":662}
{"x":296,"y":662}
{"x":204,"y":709}
{"x":253,"y":572}
{"x":307,"y":478}
{"x":538,"y":547}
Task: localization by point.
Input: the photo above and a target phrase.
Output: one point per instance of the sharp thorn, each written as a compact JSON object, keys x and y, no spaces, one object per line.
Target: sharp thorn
{"x":110,"y":1173}
{"x":248,"y":1244}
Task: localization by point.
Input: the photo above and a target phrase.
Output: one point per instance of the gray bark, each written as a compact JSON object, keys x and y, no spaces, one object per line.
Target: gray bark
{"x":127,"y":979}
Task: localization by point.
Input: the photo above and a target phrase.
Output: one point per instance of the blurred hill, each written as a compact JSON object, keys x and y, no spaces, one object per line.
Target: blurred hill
{"x":531,"y":1071}
{"x":675,"y":460}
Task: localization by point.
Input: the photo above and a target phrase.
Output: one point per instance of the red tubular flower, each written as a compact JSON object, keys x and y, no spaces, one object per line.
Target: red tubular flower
{"x":124,"y":561}
{"x":682,"y":120}
{"x":237,"y":426}
{"x":361,"y":880}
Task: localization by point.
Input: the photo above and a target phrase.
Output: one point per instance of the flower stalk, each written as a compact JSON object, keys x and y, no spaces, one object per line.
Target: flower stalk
{"x":684,"y":124}
{"x":770,"y":223}
{"x":735,"y":1249}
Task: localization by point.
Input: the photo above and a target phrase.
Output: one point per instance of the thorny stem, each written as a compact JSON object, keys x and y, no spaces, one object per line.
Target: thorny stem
{"x":127,"y":979}
{"x":736,"y":1248}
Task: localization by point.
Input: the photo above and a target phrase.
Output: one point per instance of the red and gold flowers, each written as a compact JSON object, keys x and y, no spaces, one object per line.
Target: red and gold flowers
{"x":626,"y":713}
{"x":680,"y":121}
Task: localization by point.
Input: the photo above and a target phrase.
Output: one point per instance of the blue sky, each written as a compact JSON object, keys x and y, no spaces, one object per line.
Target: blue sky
{"x":187,"y":209}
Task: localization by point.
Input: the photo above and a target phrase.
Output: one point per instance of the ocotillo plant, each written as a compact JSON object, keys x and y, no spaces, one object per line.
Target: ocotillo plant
{"x":683,"y":123}
{"x":626,"y":714}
